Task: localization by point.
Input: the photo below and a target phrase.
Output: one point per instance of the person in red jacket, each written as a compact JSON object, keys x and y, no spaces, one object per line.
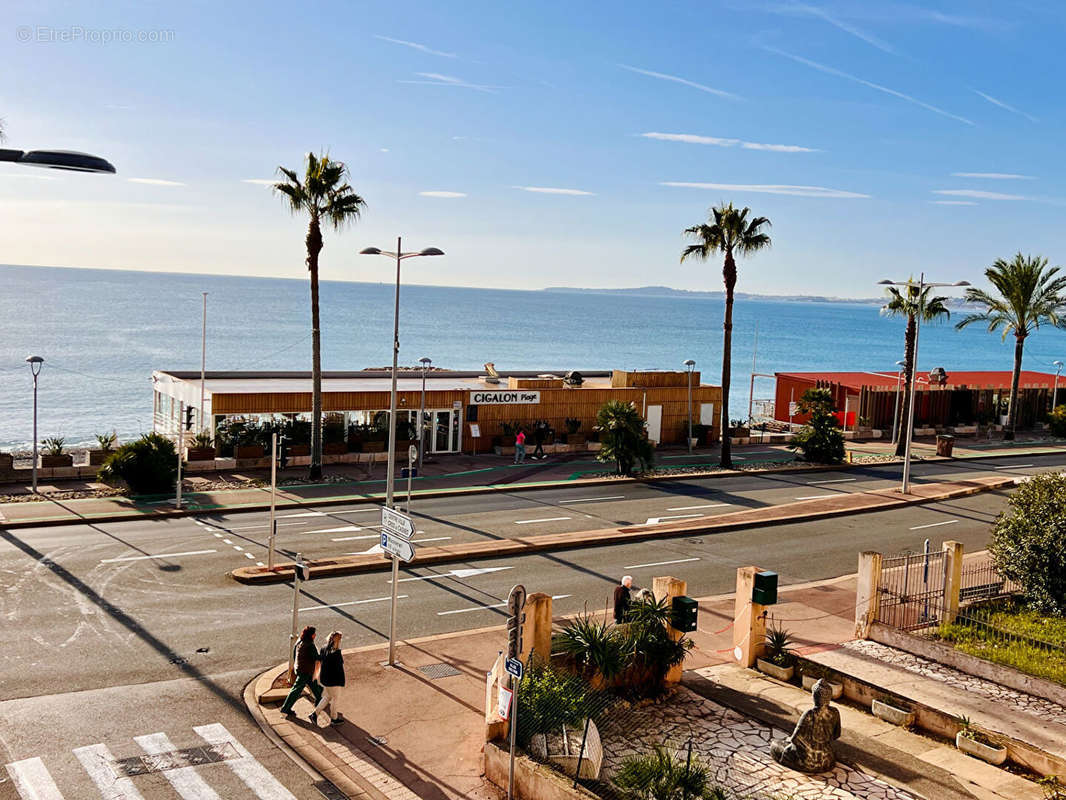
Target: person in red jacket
{"x":306,"y":661}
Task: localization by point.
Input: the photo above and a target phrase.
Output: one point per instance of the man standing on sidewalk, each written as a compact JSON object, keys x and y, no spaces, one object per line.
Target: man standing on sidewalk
{"x":621,"y":599}
{"x":306,"y":660}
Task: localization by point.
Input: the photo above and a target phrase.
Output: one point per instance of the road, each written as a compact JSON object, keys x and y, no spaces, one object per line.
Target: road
{"x":131,"y":629}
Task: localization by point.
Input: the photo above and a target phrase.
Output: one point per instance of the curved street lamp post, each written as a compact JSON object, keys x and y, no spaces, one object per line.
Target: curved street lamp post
{"x":689,"y":364}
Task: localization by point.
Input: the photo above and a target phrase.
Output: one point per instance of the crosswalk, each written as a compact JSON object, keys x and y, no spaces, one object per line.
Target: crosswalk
{"x":201,"y":772}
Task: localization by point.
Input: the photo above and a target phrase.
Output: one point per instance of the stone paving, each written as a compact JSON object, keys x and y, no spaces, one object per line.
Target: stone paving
{"x":736,"y":750}
{"x":1001,"y":695}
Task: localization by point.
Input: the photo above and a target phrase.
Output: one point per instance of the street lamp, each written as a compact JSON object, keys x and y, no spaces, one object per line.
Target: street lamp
{"x":35,"y":363}
{"x":689,"y":364}
{"x":921,"y":286}
{"x":425,"y":361}
{"x":1055,"y":391}
{"x":390,"y":476}
{"x":895,"y":413}
{"x":59,"y":159}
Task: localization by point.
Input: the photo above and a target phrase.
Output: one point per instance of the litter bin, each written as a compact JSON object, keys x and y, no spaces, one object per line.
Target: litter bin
{"x":944,"y":445}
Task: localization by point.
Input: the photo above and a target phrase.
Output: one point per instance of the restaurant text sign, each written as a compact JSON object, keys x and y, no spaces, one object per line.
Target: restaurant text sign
{"x":504,"y":398}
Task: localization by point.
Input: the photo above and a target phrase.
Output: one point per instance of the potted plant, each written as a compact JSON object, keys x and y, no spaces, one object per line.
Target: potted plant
{"x":333,"y":442}
{"x":248,"y":441}
{"x":508,"y":432}
{"x":779,"y":662}
{"x":738,"y":429}
{"x":55,"y":454}
{"x":202,"y":448}
{"x":107,"y":442}
{"x":975,"y":743}
{"x":297,"y":433}
{"x":573,"y":435}
{"x":893,"y":711}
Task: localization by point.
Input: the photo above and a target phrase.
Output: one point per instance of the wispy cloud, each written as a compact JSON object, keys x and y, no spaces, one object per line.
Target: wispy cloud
{"x":797,"y":191}
{"x":155,"y":181}
{"x":436,"y":79}
{"x":445,"y":195}
{"x":692,"y":138}
{"x":683,"y":81}
{"x":259,"y":181}
{"x":415,"y":46}
{"x":953,"y":202}
{"x":995,"y":176}
{"x":825,"y":16}
{"x":980,"y":195}
{"x":552,"y":190}
{"x":847,"y":76}
{"x":997,"y":102}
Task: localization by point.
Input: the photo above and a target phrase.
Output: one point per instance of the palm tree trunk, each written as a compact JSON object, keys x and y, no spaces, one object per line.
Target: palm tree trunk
{"x":1012,"y":418}
{"x":314,"y":247}
{"x":729,"y":274}
{"x":908,"y":369}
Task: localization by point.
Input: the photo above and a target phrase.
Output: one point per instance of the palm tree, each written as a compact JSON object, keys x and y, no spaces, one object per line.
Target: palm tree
{"x":1027,"y":295}
{"x":908,"y":304}
{"x":729,"y":232}
{"x":325,"y":195}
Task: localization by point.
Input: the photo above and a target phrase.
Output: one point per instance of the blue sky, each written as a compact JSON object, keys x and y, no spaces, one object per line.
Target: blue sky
{"x":921,"y":136}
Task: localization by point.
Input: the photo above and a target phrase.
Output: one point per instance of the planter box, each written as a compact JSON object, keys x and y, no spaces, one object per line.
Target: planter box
{"x":993,"y":754}
{"x":335,"y":448}
{"x":298,"y":450}
{"x":200,"y":454}
{"x":7,"y":462}
{"x":576,"y":440}
{"x":961,"y":429}
{"x":889,"y":713}
{"x":373,"y":447}
{"x":98,"y":457}
{"x":774,"y":671}
{"x":249,"y":451}
{"x":65,"y":460}
{"x":810,"y":680}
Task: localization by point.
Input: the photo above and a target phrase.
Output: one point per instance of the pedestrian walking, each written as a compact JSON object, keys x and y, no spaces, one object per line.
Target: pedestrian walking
{"x":520,"y":447}
{"x":306,"y":661}
{"x":331,"y":675}
{"x":540,"y":429}
{"x":621,"y":599}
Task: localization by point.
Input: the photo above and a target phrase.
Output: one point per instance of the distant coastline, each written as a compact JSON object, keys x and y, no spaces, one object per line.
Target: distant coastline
{"x":666,"y":291}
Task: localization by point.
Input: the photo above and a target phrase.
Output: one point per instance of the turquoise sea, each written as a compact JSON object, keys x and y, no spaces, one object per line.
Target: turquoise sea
{"x":102,"y":332}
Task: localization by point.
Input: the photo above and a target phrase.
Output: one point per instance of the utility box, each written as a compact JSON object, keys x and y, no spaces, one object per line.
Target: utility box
{"x":764,"y":589}
{"x":683,"y":613}
{"x":945,"y":445}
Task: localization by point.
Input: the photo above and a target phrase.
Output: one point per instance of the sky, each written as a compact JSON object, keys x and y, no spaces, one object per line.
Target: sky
{"x":542,"y":144}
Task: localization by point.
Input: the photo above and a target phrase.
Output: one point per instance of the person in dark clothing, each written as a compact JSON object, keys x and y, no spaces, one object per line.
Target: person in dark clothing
{"x":306,"y":661}
{"x":331,"y":674}
{"x":621,"y":599}
{"x":540,"y":430}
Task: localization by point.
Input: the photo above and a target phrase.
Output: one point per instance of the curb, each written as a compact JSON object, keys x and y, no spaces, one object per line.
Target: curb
{"x":785,"y":513}
{"x":460,"y":491}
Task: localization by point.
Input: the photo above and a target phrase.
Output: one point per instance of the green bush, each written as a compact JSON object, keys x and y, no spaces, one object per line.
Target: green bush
{"x":1056,"y":421}
{"x":148,"y":465}
{"x":623,"y":437}
{"x":596,"y":647}
{"x":548,"y":699}
{"x":820,"y":440}
{"x":661,"y":775}
{"x":1028,"y":543}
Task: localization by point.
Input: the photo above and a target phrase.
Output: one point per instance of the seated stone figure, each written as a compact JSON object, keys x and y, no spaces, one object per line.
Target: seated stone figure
{"x":810,"y":747}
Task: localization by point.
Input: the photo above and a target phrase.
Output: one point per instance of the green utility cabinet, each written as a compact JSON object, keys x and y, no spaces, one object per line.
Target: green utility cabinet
{"x":684,"y":611}
{"x":764,"y":589}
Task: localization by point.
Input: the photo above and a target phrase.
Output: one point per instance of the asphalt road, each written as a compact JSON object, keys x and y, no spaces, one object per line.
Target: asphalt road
{"x":129,"y":629}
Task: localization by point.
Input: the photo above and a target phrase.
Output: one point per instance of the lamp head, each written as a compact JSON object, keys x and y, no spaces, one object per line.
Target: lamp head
{"x":431,"y":251}
{"x":425,"y":361}
{"x":962,"y":283}
{"x":68,"y":160}
{"x":688,"y":362}
{"x":34,"y":360}
{"x":370,"y":251}
{"x":1057,"y":364}
{"x":886,"y":282}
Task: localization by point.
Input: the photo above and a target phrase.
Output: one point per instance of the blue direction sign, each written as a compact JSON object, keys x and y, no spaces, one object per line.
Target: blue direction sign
{"x":513,"y":667}
{"x":397,"y":546}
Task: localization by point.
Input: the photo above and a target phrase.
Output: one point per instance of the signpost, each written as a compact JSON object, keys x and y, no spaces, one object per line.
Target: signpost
{"x":396,"y":523}
{"x":394,"y":545}
{"x":273,"y":496}
{"x":516,"y":602}
{"x":179,"y":441}
{"x":396,"y":532}
{"x":514,"y":667}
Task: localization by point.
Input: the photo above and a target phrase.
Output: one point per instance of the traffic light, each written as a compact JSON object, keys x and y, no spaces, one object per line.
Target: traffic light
{"x":683,"y":612}
{"x":188,"y":417}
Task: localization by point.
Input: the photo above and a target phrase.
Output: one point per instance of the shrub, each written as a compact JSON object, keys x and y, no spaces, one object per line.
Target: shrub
{"x":1056,"y":421}
{"x":595,"y":646}
{"x":548,"y":699}
{"x":573,"y":425}
{"x":54,"y":446}
{"x":148,"y":465}
{"x":660,"y":775}
{"x":1028,"y":543}
{"x":107,"y":441}
{"x":779,"y":646}
{"x":623,"y":437}
{"x":202,"y":440}
{"x":820,"y":439}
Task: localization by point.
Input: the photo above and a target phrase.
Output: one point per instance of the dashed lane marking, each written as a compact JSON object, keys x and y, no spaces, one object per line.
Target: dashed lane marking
{"x":594,"y":499}
{"x":545,"y":519}
{"x":661,"y":563}
{"x":934,"y":524}
{"x":706,"y":505}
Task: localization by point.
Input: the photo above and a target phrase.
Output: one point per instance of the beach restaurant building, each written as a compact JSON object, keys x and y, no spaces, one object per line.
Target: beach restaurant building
{"x":945,"y":399}
{"x":464,"y":411}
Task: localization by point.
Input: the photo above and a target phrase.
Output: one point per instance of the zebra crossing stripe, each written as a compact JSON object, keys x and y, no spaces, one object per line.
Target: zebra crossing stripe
{"x":97,"y":761}
{"x":255,"y":776}
{"x":32,"y":780}
{"x":185,"y":780}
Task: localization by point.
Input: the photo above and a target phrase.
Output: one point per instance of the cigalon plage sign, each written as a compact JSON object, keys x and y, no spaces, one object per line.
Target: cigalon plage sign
{"x":504,"y":398}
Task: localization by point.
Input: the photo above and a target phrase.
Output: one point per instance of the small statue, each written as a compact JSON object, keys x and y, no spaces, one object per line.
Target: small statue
{"x":810,"y":747}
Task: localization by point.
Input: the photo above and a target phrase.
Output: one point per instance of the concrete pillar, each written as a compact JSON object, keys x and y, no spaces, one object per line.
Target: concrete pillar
{"x":537,"y":629}
{"x":669,"y":588}
{"x":749,"y":620}
{"x":953,"y":552}
{"x":867,"y":593}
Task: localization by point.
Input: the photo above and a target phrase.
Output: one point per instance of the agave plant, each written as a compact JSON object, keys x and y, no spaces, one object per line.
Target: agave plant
{"x":779,"y":646}
{"x":661,"y":775}
{"x":54,"y":446}
{"x":596,"y":647}
{"x":202,"y":440}
{"x":107,"y":441}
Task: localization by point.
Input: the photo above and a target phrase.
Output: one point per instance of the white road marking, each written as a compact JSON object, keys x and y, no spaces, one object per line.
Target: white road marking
{"x":355,"y":602}
{"x":835,"y":480}
{"x":817,"y":496}
{"x":660,"y":520}
{"x":249,"y":555}
{"x":455,"y":573}
{"x":934,"y":524}
{"x":357,"y":511}
{"x":545,"y":519}
{"x":483,"y":608}
{"x":255,"y":776}
{"x":218,"y":535}
{"x":1013,"y":466}
{"x":595,"y":499}
{"x":97,"y":760}
{"x":260,"y":564}
{"x":238,"y":548}
{"x":353,"y":538}
{"x":185,"y":780}
{"x":264,"y":525}
{"x":32,"y":780}
{"x":661,"y":563}
{"x":228,"y":541}
{"x":159,"y":555}
{"x":305,"y":514}
{"x":341,"y":529}
{"x":434,"y":539}
{"x":707,"y":505}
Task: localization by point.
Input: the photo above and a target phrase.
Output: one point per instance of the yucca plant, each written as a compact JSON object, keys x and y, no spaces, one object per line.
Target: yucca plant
{"x":202,"y":440}
{"x":596,"y":647}
{"x":662,"y":775}
{"x":779,"y":646}
{"x":107,"y":441}
{"x":54,"y":446}
{"x":655,"y":653}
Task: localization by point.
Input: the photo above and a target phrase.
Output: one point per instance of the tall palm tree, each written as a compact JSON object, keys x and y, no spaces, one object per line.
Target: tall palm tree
{"x":1027,"y":295}
{"x":908,"y":304}
{"x":730,"y":232}
{"x":325,"y":195}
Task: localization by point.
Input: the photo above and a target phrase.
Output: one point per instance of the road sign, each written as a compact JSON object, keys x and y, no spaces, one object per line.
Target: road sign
{"x":396,"y":523}
{"x":397,"y":546}
{"x":514,"y":667}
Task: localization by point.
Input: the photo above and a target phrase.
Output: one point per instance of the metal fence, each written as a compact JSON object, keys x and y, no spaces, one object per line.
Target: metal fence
{"x":982,"y":581}
{"x":911,"y":590}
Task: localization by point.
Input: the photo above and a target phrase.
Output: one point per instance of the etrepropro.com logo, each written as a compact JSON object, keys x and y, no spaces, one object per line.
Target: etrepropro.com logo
{"x":47,"y":34}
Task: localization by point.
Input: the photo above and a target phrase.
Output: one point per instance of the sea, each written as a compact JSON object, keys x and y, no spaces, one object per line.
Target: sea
{"x":103,"y":332}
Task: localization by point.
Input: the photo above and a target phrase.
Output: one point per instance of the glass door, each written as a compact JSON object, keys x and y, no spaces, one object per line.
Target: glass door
{"x":443,"y":433}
